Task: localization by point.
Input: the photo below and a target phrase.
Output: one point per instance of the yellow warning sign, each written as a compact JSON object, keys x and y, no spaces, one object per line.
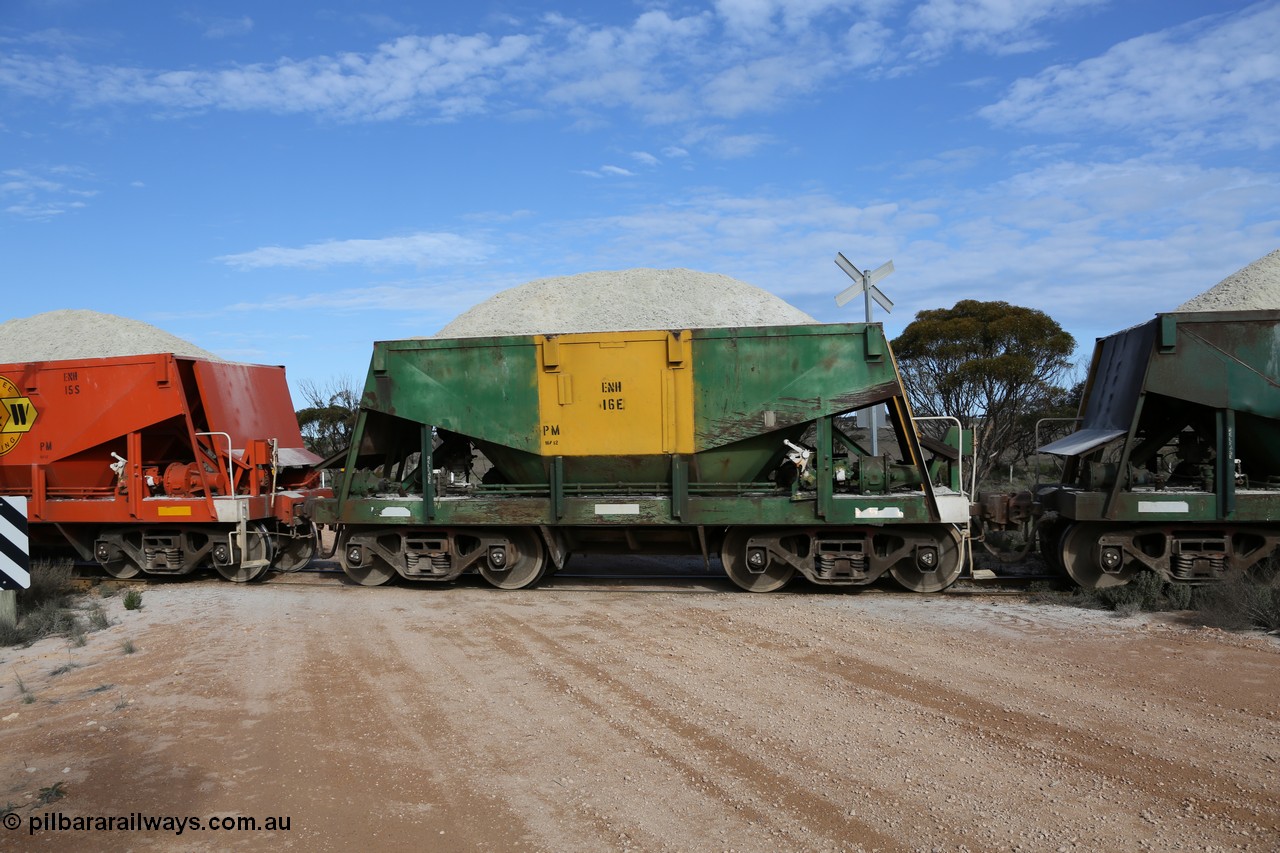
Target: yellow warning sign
{"x":17,"y":415}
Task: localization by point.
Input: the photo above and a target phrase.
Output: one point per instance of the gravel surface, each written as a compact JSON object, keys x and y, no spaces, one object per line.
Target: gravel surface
{"x":1256,"y":287}
{"x":588,"y":716}
{"x":624,"y":300}
{"x":73,"y":333}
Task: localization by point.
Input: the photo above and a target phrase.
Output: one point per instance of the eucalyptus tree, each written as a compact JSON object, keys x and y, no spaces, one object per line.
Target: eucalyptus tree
{"x":990,"y":364}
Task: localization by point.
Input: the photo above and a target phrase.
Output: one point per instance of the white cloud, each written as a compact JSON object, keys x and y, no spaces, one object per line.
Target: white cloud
{"x":606,"y":172}
{"x":947,"y":162}
{"x":1215,"y":80}
{"x":645,"y":158}
{"x":665,"y":68}
{"x":1097,"y":245}
{"x":445,"y":75}
{"x":762,"y":20}
{"x":997,"y":26}
{"x":733,"y":146}
{"x":44,"y":193}
{"x":764,"y":83}
{"x":216,"y":28}
{"x":421,"y":250}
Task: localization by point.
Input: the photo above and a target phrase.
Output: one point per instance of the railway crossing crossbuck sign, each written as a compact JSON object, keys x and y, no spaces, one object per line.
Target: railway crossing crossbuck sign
{"x":14,"y":561}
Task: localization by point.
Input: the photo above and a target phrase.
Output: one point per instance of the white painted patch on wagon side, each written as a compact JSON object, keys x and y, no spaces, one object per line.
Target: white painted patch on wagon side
{"x":1164,"y":506}
{"x":879,"y":512}
{"x":395,"y":512}
{"x":617,"y":509}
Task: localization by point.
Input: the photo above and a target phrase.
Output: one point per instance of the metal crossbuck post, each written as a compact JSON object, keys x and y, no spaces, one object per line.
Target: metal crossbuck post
{"x":865,"y":283}
{"x":14,"y":557}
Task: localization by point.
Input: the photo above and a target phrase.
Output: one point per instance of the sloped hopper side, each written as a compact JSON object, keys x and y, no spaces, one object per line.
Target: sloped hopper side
{"x":617,"y":405}
{"x":1111,"y":394}
{"x":1186,"y":367}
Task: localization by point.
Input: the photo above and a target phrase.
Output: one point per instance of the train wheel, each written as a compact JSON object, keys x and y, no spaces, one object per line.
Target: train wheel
{"x":363,"y":566}
{"x":294,"y":554}
{"x":1080,"y":555}
{"x":121,"y":567}
{"x":946,"y":553}
{"x":1049,"y":543}
{"x":519,"y":565}
{"x":737,"y":564}
{"x":240,"y":574}
{"x":258,"y":547}
{"x":115,"y":562}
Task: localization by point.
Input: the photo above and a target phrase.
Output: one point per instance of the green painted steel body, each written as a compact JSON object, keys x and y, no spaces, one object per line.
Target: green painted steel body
{"x":753,"y":388}
{"x":1176,"y":466}
{"x":752,"y":385}
{"x":1208,"y":377}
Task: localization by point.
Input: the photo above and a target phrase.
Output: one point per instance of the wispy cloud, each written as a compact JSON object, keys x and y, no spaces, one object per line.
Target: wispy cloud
{"x":739,"y":57}
{"x":447,"y":76}
{"x":1137,"y":236}
{"x":415,"y":307}
{"x":1097,"y":245}
{"x":1214,"y":80}
{"x":218,"y":28}
{"x":733,"y":146}
{"x":991,"y":26}
{"x":420,"y":250}
{"x":44,"y":193}
{"x":607,"y":171}
{"x":946,"y":162}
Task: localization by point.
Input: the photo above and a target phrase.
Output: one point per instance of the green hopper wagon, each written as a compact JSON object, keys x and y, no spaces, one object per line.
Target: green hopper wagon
{"x":1176,"y":465}
{"x":504,"y":455}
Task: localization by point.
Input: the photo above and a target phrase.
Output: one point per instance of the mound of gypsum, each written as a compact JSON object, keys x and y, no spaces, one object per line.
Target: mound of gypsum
{"x":1256,"y":287}
{"x":74,"y":334}
{"x":624,"y":300}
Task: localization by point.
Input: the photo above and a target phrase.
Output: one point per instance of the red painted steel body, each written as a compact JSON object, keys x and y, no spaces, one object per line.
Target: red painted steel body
{"x":152,"y":440}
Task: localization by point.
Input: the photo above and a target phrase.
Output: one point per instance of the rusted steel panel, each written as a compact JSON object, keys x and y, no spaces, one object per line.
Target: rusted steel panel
{"x":250,"y":401}
{"x":761,"y":380}
{"x":113,"y":440}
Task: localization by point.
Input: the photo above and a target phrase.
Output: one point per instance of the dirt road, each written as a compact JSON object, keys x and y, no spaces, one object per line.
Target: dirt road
{"x":591,"y":716}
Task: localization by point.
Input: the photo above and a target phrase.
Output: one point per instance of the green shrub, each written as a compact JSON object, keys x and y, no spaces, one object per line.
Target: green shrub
{"x":1146,"y":592}
{"x":1143,"y":593}
{"x":133,"y":600}
{"x":49,"y":794}
{"x":98,"y":618}
{"x":1179,"y":595}
{"x":50,"y":617}
{"x":50,"y":581}
{"x":42,"y":608}
{"x":1242,"y":602}
{"x":11,"y":635}
{"x":1131,"y":606}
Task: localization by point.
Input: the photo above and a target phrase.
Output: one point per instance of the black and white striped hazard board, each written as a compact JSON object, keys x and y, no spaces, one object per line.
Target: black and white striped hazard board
{"x":15,"y":565}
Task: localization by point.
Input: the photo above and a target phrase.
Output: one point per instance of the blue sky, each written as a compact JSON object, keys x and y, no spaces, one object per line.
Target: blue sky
{"x":287,"y":182}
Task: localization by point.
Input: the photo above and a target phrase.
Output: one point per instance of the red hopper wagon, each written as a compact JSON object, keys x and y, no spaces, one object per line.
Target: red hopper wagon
{"x":159,"y":463}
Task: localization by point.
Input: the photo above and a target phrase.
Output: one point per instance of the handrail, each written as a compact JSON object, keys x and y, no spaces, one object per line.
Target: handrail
{"x":966,"y":540}
{"x":1038,"y":453}
{"x":231,"y":486}
{"x":959,"y":450}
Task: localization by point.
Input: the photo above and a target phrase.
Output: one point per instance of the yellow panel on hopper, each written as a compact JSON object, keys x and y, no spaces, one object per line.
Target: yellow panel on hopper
{"x":615,"y":393}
